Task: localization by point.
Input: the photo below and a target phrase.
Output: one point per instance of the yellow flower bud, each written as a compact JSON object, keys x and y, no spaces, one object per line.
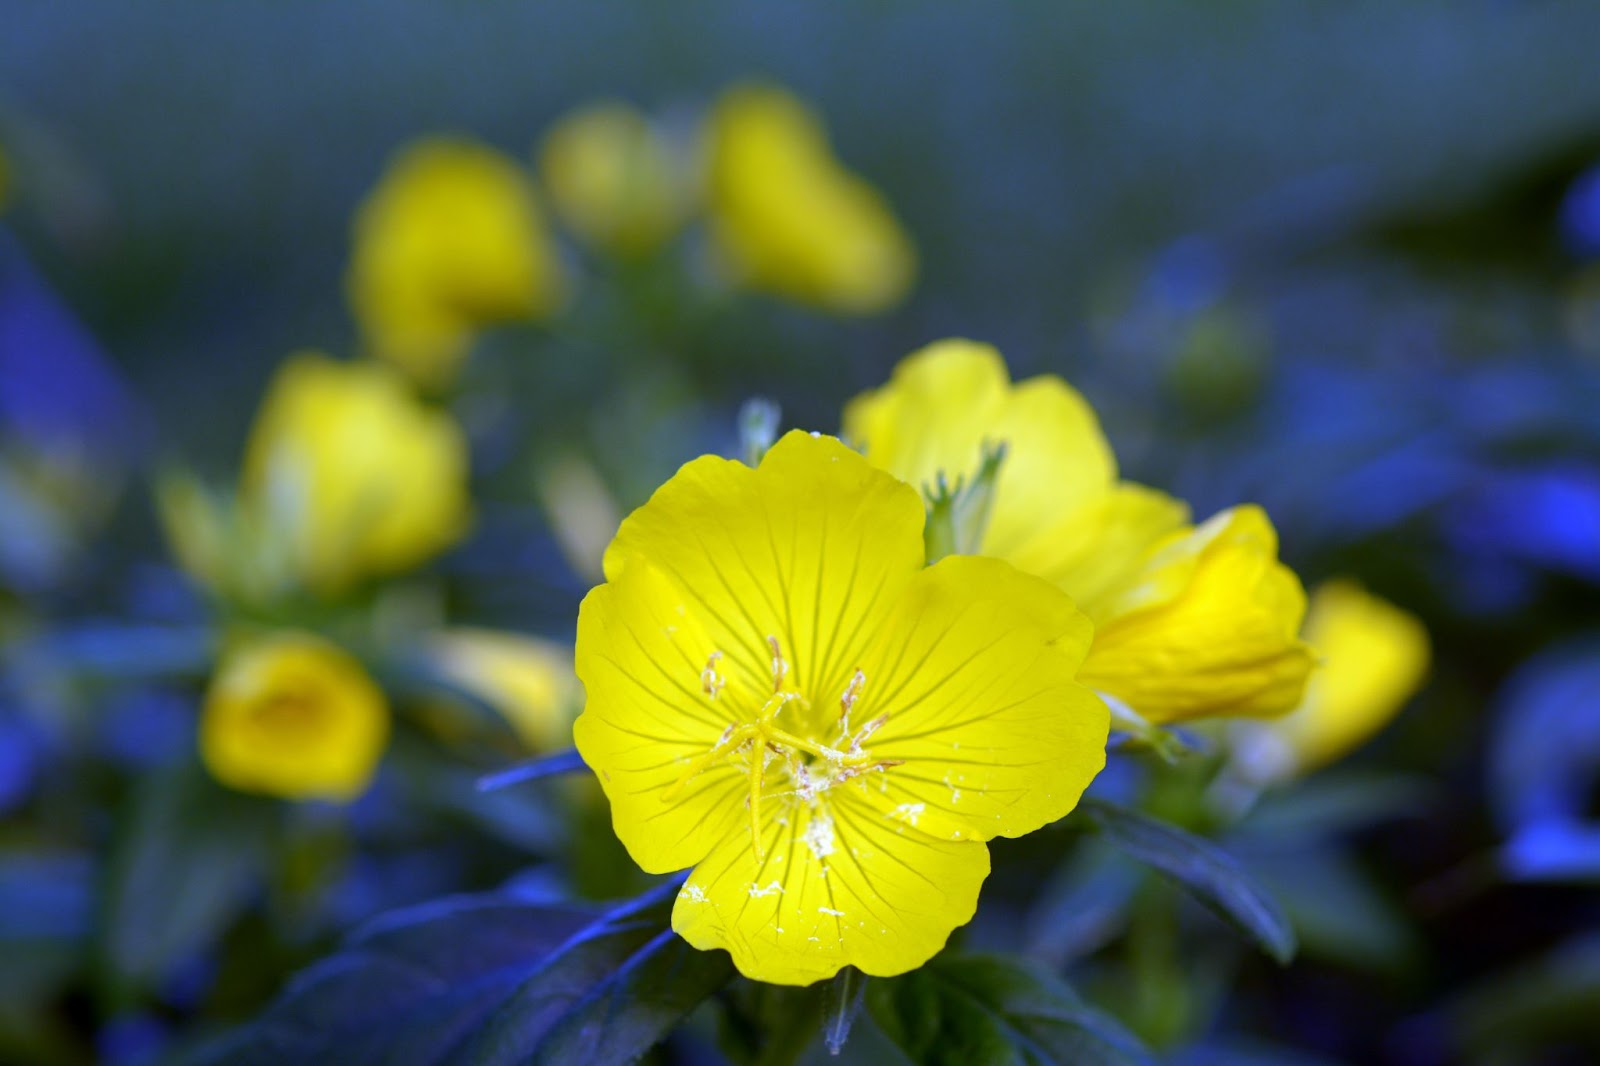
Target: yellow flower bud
{"x":451,"y":240}
{"x":788,"y":218}
{"x":295,"y":717}
{"x":349,"y":475}
{"x":614,"y":180}
{"x":1374,"y":658}
{"x":528,"y":681}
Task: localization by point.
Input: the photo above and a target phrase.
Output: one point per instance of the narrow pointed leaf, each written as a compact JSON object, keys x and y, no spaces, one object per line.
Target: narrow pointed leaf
{"x":962,"y":1009}
{"x":488,"y":979}
{"x":1204,"y":869}
{"x":565,"y":762}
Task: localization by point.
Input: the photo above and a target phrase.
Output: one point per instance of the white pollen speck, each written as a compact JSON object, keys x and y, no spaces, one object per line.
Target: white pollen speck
{"x":910,"y":812}
{"x":693,"y":893}
{"x":757,"y":891}
{"x":830,"y":910}
{"x":819,"y":835}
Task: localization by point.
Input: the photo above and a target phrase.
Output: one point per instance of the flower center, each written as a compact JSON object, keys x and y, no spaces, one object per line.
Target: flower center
{"x":759,"y":741}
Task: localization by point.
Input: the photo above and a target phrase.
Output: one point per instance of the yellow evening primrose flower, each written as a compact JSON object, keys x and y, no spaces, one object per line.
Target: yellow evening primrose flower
{"x":1374,"y":658}
{"x":451,"y":240}
{"x":614,"y":180}
{"x":293,"y":716}
{"x":788,"y":218}
{"x":527,"y":680}
{"x":349,"y":475}
{"x":1189,"y":621}
{"x":781,"y":695}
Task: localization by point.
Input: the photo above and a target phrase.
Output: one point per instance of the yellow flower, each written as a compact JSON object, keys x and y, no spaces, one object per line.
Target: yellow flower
{"x":351,"y":476}
{"x":1189,"y":621}
{"x":451,"y":240}
{"x":1374,"y":658}
{"x":780,"y":695}
{"x":788,"y":218}
{"x":295,"y":717}
{"x":614,"y":180}
{"x":528,"y":681}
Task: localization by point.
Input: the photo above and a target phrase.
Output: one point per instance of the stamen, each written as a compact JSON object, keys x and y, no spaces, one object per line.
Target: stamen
{"x":852,"y":692}
{"x":731,"y":739}
{"x":711,"y":681}
{"x":780,"y":669}
{"x":850,"y":772}
{"x":867,"y":731}
{"x":758,"y":773}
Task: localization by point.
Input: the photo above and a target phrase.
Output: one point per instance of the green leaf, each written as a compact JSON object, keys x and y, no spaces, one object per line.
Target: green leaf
{"x":1337,"y":911}
{"x":1333,"y":803}
{"x":187,"y":860}
{"x":769,"y":1025}
{"x":488,"y":979}
{"x":1201,"y":867}
{"x":1543,"y":1004}
{"x":1000,"y":1011}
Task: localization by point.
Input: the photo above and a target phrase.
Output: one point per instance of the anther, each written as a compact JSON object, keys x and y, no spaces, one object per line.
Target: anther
{"x":780,"y":669}
{"x":867,"y":731}
{"x":711,"y":681}
{"x":852,"y":692}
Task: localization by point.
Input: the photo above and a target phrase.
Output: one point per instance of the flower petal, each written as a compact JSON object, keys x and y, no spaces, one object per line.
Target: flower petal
{"x":838,"y":885}
{"x":1057,"y":499}
{"x":975,"y":675}
{"x":1375,"y":657}
{"x":646,"y":719}
{"x":812,"y":547}
{"x":1210,"y":628}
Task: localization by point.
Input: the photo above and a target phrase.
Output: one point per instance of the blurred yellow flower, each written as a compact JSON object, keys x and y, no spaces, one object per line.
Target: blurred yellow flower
{"x":293,"y":716}
{"x":451,"y":240}
{"x":1374,"y":658}
{"x":1189,"y":621}
{"x":781,"y":695}
{"x":528,"y":681}
{"x":614,"y":180}
{"x":787,"y":217}
{"x":349,"y":475}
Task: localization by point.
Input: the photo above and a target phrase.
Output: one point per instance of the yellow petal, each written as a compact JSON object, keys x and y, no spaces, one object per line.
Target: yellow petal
{"x":613,"y":179}
{"x":1058,"y":510}
{"x":1129,"y":523}
{"x":295,"y":717}
{"x":788,"y":218}
{"x":1374,"y":657}
{"x":353,"y":475}
{"x":836,"y":886}
{"x":1209,"y":628}
{"x":640,"y":655}
{"x":812,"y":548}
{"x":452,"y":239}
{"x":529,"y":681}
{"x":974,"y":679}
